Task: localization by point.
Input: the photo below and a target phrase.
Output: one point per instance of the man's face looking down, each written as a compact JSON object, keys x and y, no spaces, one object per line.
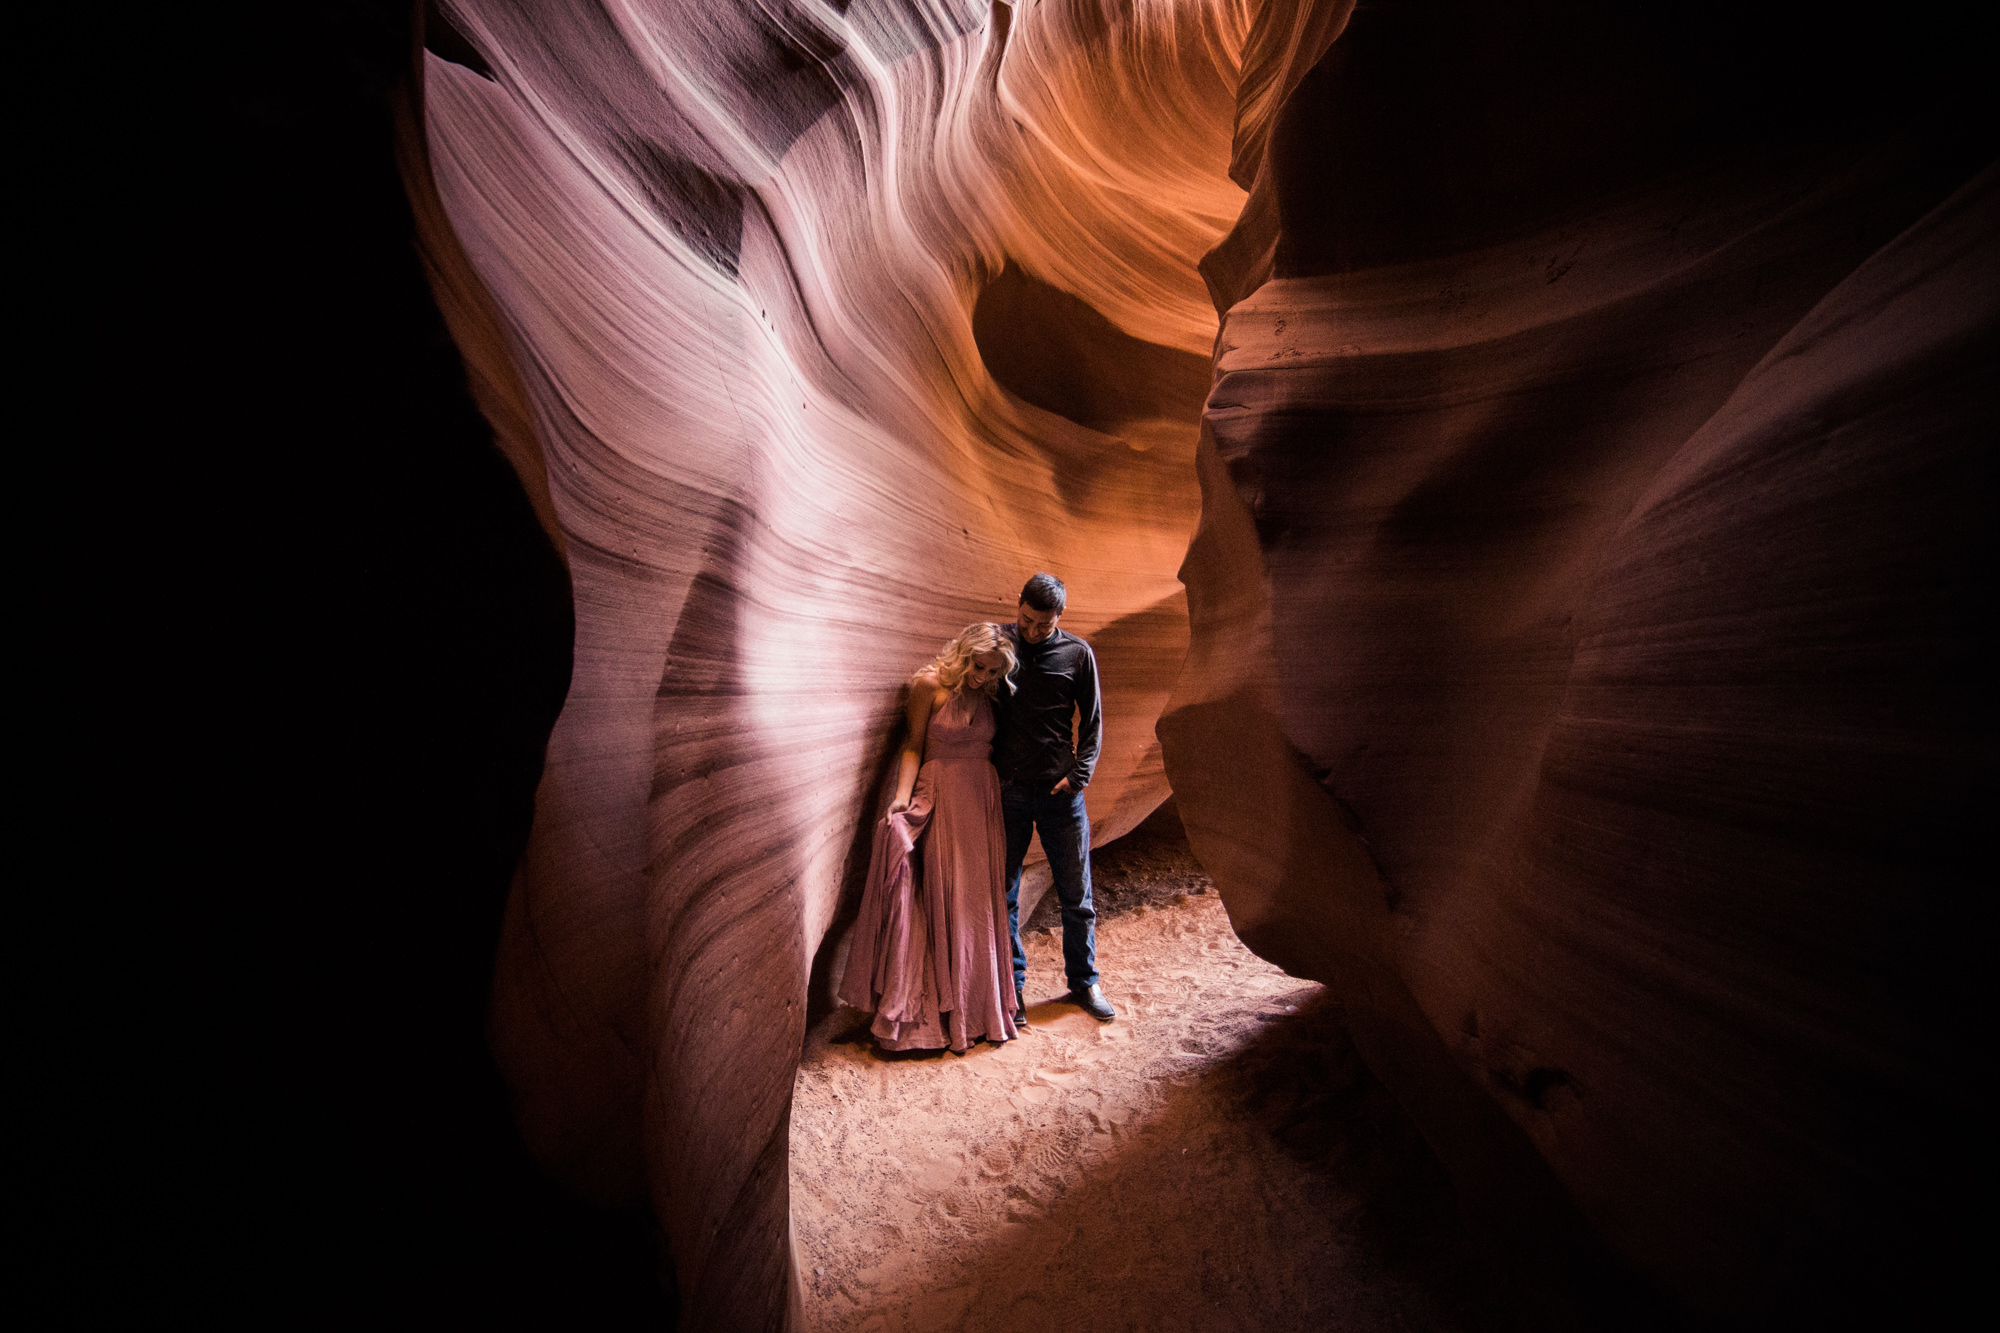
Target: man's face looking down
{"x":1036,"y":626}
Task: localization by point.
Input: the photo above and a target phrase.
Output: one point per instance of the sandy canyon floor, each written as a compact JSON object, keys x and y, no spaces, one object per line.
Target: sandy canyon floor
{"x":1216,"y":1158}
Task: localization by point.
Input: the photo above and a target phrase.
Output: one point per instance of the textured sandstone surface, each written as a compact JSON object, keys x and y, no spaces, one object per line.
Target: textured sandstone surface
{"x":752,"y":265}
{"x":1582,"y":622}
{"x":1569,"y":667}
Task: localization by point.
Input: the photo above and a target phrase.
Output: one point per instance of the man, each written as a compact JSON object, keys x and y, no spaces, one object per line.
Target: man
{"x":1042,"y":776}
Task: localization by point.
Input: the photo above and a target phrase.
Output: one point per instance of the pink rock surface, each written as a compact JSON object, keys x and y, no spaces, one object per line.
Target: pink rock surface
{"x":1581,"y":660}
{"x":739,"y":257}
{"x":1574,"y":632}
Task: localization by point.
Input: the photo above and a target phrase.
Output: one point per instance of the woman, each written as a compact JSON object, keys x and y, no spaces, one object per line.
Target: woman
{"x":931,"y":957}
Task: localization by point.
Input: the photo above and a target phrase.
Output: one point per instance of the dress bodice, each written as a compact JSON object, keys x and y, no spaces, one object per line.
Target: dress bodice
{"x":962,"y":729}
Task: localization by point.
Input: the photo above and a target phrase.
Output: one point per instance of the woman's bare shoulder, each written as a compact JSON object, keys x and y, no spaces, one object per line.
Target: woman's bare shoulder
{"x":925,"y":685}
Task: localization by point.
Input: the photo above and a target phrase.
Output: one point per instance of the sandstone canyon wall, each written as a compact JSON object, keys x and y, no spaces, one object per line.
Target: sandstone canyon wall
{"x":1584,"y":611}
{"x":1584,"y":429}
{"x":832,"y":324}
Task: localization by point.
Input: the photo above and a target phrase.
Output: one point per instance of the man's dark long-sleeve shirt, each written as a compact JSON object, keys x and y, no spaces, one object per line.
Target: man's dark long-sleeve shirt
{"x":1057,"y":679}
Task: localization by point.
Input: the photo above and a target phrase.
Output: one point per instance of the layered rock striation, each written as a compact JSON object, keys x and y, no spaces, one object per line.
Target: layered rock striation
{"x":832,"y":324}
{"x":1583,"y":675}
{"x":1585,"y":417}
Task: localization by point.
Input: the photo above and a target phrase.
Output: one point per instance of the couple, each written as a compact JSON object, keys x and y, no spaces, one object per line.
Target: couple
{"x":928,"y":957}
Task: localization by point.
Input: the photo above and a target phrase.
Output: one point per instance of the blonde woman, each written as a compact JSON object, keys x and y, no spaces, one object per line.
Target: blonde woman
{"x":931,"y":957}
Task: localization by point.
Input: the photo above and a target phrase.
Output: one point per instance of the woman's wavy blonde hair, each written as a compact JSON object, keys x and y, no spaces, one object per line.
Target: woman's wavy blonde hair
{"x":955,"y":659}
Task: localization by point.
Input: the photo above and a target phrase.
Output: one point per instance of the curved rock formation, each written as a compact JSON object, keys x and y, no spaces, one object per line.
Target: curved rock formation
{"x":1586,"y":480}
{"x":1582,"y":622}
{"x":754,"y":266}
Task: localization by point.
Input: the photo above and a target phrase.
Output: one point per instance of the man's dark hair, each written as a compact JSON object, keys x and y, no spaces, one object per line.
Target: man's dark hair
{"x":1045,"y":592}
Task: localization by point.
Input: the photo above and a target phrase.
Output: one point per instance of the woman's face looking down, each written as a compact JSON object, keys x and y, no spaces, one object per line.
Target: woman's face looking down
{"x":985,"y":668}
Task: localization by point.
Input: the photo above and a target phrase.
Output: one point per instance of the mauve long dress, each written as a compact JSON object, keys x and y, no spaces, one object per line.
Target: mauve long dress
{"x":932,"y":961}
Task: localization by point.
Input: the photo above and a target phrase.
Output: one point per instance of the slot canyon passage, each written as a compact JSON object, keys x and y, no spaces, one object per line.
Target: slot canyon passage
{"x":1524,"y":472}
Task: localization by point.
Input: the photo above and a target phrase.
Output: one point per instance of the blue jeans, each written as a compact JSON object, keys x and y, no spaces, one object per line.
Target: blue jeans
{"x":1065,"y":830}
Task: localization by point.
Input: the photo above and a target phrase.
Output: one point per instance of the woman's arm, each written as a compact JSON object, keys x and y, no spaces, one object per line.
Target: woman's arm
{"x":923,"y":702}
